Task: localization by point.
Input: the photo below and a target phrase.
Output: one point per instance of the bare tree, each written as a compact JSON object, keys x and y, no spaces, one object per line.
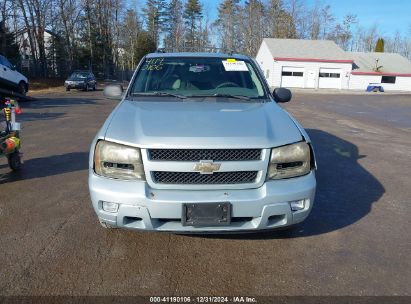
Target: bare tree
{"x":294,"y":9}
{"x":370,"y":38}
{"x":326,"y":19}
{"x":314,"y":21}
{"x":343,"y":32}
{"x":252,"y":25}
{"x":130,"y":31}
{"x":69,"y":13}
{"x":398,"y":44}
{"x":102,"y":35}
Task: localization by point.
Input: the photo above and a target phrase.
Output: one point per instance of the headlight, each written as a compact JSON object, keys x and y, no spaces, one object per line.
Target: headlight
{"x":118,"y":161}
{"x":289,"y":161}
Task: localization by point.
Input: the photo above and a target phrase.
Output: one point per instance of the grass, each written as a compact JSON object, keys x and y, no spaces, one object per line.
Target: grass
{"x":43,"y":84}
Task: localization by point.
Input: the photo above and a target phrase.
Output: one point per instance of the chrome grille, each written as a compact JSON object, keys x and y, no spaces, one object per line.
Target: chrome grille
{"x":204,"y":154}
{"x":195,"y":178}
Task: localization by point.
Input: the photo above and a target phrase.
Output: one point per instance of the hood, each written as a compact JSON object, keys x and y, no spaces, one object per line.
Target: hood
{"x":195,"y":124}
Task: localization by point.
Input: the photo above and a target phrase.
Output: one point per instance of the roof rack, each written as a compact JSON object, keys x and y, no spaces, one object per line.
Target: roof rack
{"x":207,"y":49}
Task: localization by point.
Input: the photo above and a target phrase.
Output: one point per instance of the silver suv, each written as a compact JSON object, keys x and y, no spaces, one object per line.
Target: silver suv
{"x":11,"y":79}
{"x":199,"y":144}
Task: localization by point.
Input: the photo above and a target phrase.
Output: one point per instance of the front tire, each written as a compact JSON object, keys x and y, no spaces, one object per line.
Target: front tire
{"x":14,"y":160}
{"x":21,"y":89}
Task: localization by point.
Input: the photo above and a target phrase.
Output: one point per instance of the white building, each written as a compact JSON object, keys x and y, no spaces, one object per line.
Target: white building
{"x":23,"y":43}
{"x":27,"y":57}
{"x":390,"y":70}
{"x":320,"y":64}
{"x":297,"y":63}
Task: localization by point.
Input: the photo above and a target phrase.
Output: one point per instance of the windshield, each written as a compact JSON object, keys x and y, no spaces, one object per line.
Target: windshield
{"x":5,"y":62}
{"x":78,"y":76}
{"x":197,"y":77}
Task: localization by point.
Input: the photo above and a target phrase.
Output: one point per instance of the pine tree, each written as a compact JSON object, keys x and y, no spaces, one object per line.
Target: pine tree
{"x":379,"y":47}
{"x":131,"y":29}
{"x":228,"y":24}
{"x":8,"y":46}
{"x":154,"y":13}
{"x":144,"y":45}
{"x":174,"y":25}
{"x":192,"y":16}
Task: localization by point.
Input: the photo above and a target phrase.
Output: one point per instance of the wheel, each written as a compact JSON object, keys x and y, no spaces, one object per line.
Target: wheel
{"x":67,"y":89}
{"x":95,"y":87}
{"x":21,"y":89}
{"x":105,"y":225}
{"x":14,"y":161}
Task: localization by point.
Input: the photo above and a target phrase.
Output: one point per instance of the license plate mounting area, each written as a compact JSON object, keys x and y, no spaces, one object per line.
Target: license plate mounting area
{"x":206,"y":214}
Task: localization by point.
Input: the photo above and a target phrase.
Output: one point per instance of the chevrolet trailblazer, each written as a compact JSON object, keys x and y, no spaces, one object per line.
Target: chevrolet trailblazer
{"x":198,"y":143}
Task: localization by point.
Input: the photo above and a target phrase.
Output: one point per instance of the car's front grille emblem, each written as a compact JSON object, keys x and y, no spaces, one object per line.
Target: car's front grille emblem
{"x":206,"y":167}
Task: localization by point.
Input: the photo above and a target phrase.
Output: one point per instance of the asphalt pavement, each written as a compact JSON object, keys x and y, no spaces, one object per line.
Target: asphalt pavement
{"x":357,"y":240}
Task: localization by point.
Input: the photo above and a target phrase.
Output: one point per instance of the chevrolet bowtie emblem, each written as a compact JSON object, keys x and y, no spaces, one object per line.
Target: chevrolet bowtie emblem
{"x":206,"y":167}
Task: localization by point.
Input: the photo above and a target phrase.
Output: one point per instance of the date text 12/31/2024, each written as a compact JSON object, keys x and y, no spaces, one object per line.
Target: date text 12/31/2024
{"x":203,"y":299}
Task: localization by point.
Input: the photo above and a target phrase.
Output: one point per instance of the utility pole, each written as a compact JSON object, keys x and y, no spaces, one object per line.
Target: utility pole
{"x":3,"y":37}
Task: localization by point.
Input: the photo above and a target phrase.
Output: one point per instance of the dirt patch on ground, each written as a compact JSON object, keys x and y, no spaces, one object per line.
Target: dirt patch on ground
{"x":44,"y":84}
{"x":35,"y":92}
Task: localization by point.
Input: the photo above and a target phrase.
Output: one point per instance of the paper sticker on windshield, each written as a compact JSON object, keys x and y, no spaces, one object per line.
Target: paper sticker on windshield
{"x":235,"y":66}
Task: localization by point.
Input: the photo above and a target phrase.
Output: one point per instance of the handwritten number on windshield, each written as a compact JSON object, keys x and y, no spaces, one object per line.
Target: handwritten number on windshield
{"x":154,"y":64}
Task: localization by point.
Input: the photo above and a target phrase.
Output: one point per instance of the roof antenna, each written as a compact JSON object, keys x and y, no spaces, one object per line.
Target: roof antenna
{"x":377,"y":68}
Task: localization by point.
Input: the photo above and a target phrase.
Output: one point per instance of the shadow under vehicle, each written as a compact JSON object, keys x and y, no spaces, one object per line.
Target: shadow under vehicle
{"x":345,"y":192}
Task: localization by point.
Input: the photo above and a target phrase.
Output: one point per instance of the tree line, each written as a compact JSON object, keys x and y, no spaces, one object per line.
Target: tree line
{"x":108,"y":36}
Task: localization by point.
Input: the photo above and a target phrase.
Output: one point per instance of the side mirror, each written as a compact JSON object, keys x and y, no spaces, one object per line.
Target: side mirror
{"x":282,"y":95}
{"x":113,"y":91}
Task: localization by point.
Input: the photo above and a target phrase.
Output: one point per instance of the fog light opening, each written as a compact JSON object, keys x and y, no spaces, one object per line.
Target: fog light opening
{"x":110,"y":207}
{"x":297,"y":205}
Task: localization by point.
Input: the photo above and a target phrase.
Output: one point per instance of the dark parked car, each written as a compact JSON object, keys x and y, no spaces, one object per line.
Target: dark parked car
{"x":83,"y":80}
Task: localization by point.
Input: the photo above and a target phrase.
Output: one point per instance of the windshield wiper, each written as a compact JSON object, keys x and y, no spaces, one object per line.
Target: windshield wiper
{"x":222,"y":95}
{"x":159,"y":94}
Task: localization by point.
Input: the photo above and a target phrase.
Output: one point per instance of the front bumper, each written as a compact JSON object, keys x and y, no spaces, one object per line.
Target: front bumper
{"x":80,"y":85}
{"x":144,"y":208}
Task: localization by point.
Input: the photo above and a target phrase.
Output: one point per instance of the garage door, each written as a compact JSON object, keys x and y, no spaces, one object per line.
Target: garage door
{"x":330,"y":78}
{"x":292,"y":77}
